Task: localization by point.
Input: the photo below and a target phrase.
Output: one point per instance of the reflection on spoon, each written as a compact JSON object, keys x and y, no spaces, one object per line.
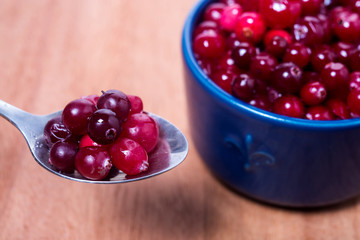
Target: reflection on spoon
{"x":170,"y":151}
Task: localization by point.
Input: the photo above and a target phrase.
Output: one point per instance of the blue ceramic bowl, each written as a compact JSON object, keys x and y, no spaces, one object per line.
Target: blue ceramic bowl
{"x":277,"y":159}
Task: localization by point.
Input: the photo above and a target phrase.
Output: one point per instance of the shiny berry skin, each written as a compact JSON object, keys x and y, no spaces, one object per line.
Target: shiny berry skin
{"x":229,"y":16}
{"x":342,"y":51}
{"x":136,"y":104}
{"x":355,"y":60}
{"x":310,"y":7}
{"x":319,"y":112}
{"x":86,"y":141}
{"x":313,"y":93}
{"x":214,"y":11}
{"x":92,"y":98}
{"x":76,"y":114}
{"x":104,"y":126}
{"x":289,"y":105}
{"x":335,"y":77}
{"x":209,"y":43}
{"x":55,"y":130}
{"x":355,"y":6}
{"x":223,"y":78}
{"x":321,"y":56}
{"x":280,"y":13}
{"x":243,"y":87}
{"x":277,"y":46}
{"x":242,"y":54}
{"x":353,"y":101}
{"x":93,"y":163}
{"x":226,"y":62}
{"x":206,"y":25}
{"x":297,"y":53}
{"x":62,"y":156}
{"x":338,"y":108}
{"x":270,"y":34}
{"x":262,"y":65}
{"x":261,"y":101}
{"x":354,"y":81}
{"x":250,"y":27}
{"x":309,"y":30}
{"x":347,"y":27}
{"x":116,"y":101}
{"x":143,"y":129}
{"x":287,"y":77}
{"x":129,"y":156}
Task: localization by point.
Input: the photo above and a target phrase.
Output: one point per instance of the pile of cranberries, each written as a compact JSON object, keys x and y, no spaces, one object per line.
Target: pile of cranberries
{"x":298,"y":58}
{"x":96,"y":133}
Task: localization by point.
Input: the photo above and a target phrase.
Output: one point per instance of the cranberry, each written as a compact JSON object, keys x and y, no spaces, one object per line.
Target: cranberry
{"x":76,"y":114}
{"x":213,"y":11}
{"x":143,"y":129}
{"x":347,"y":27}
{"x":342,"y":51}
{"x":289,"y":105}
{"x":129,"y":156}
{"x":116,"y":101}
{"x":309,"y":30}
{"x":353,"y":101}
{"x":136,"y":104}
{"x":280,"y":13}
{"x":298,"y":54}
{"x":206,"y":65}
{"x":86,"y":141}
{"x":250,"y":26}
{"x":319,"y":112}
{"x":55,"y":131}
{"x":262,"y":65}
{"x":227,"y":63}
{"x":313,"y":93}
{"x":355,"y":60}
{"x":335,"y":77}
{"x":243,"y":87}
{"x":321,"y":56}
{"x":277,"y":46}
{"x":62,"y":156}
{"x":93,"y":163}
{"x":269,"y":35}
{"x":273,"y":94}
{"x":354,"y":80}
{"x":104,"y":126}
{"x":229,"y":16}
{"x":261,"y":101}
{"x":309,"y":76}
{"x":206,"y":25}
{"x":209,"y":43}
{"x":223,"y":78}
{"x":242,"y":55}
{"x":310,"y":7}
{"x":339,"y":108}
{"x":287,"y":77}
{"x":355,"y":6}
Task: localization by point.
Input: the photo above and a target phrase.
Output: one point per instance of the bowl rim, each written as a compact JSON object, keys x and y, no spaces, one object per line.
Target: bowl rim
{"x":236,"y":104}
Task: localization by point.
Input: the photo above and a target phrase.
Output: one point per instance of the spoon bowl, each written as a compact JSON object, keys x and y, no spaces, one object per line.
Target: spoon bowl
{"x":171,"y":150}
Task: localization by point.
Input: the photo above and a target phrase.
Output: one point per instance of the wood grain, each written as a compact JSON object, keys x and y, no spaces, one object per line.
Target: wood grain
{"x":54,"y":51}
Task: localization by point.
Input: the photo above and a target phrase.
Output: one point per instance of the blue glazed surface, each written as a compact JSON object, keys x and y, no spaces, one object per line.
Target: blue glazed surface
{"x":276,"y":159}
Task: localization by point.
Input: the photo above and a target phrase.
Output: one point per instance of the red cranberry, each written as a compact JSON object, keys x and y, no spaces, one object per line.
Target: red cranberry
{"x":206,"y":65}
{"x":223,"y":78}
{"x":209,"y":44}
{"x":313,"y":93}
{"x":213,"y":11}
{"x":287,"y":77}
{"x":206,"y":25}
{"x":136,"y":104}
{"x":310,"y":77}
{"x":342,"y":51}
{"x":143,"y":129}
{"x":269,"y":35}
{"x":321,"y":56}
{"x":289,"y":105}
{"x":129,"y":156}
{"x":298,"y":54}
{"x":261,"y":101}
{"x":227,"y":63}
{"x":243,"y":87}
{"x":309,"y":31}
{"x":229,"y":16}
{"x":353,"y":101}
{"x":280,"y":13}
{"x":250,"y":26}
{"x":55,"y":130}
{"x":335,"y":77}
{"x":62,"y":156}
{"x":355,"y":60}
{"x":319,"y":112}
{"x":277,"y":46}
{"x":355,"y":6}
{"x":273,"y":94}
{"x":354,"y":82}
{"x":262,"y":65}
{"x":116,"y":101}
{"x":347,"y":27}
{"x":339,"y":108}
{"x":86,"y":141}
{"x":242,"y":55}
{"x":93,"y":163}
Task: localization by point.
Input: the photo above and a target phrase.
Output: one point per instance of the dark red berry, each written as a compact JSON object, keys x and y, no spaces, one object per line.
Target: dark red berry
{"x":353,"y":101}
{"x":62,"y":156}
{"x":250,"y":27}
{"x":339,"y":108}
{"x":321,"y":56}
{"x":310,"y":7}
{"x":116,"y":101}
{"x":213,"y":11}
{"x":319,"y":112}
{"x":313,"y":93}
{"x":335,"y":77}
{"x":289,"y":105}
{"x":223,"y":78}
{"x":287,"y":77}
{"x":262,"y":65}
{"x":347,"y":27}
{"x":243,"y":87}
{"x":354,"y":81}
{"x":55,"y":130}
{"x":209,"y":43}
{"x":297,"y":53}
{"x":242,"y":54}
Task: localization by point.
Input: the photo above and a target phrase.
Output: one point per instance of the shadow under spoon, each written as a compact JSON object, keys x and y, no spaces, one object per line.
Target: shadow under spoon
{"x":170,"y":151}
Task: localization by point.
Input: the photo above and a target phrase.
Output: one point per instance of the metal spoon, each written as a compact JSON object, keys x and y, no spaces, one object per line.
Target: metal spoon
{"x":171,"y":150}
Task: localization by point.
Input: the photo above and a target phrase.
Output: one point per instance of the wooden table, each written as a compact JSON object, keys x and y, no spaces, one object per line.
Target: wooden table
{"x":52,"y":52}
